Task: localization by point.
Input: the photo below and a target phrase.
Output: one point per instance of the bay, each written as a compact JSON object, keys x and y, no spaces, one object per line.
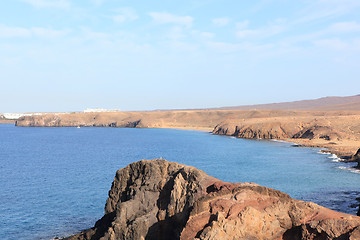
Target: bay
{"x":54,"y":181}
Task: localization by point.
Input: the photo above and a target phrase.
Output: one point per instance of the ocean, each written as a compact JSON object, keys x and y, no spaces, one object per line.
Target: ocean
{"x":55,"y":181}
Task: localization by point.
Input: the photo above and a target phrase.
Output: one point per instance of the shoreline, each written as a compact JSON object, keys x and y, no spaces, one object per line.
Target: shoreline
{"x":337,"y":131}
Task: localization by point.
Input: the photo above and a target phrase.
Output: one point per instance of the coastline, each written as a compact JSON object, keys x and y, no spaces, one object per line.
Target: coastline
{"x":336,"y":131}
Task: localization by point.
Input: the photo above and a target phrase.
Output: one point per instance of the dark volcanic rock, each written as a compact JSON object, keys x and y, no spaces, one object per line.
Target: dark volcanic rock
{"x":157,"y":199}
{"x":253,"y":131}
{"x":318,"y":132}
{"x":356,"y":158}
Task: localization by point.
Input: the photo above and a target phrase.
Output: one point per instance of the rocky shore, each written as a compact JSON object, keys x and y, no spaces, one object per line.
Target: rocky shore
{"x":157,"y":199}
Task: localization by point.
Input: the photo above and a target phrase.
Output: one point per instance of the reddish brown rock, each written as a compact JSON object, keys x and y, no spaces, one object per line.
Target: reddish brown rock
{"x":157,"y":199}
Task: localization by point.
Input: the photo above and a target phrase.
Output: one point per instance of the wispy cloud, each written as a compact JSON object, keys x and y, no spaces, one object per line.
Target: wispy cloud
{"x":49,"y":33}
{"x":11,"y":32}
{"x":235,"y":47}
{"x":336,"y":44}
{"x":244,"y":32}
{"x":325,"y":9}
{"x":344,"y":27}
{"x":18,"y":32}
{"x":242,"y":25}
{"x":176,"y":33}
{"x":98,"y":2}
{"x":165,"y":18}
{"x":208,"y":34}
{"x":48,"y":3}
{"x":124,"y":15}
{"x":89,"y":33}
{"x":221,"y":22}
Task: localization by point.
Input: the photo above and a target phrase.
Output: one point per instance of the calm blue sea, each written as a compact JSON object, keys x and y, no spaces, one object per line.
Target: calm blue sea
{"x":54,"y":181}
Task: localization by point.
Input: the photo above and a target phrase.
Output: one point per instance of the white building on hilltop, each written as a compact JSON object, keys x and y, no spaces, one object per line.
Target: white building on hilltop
{"x":14,"y":116}
{"x":88,"y":110}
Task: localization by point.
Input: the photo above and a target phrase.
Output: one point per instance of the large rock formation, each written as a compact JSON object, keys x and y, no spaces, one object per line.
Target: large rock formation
{"x":278,"y":130}
{"x":157,"y":199}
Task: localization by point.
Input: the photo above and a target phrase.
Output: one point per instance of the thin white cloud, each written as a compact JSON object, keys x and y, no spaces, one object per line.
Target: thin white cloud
{"x":98,"y":2}
{"x":11,"y":32}
{"x":176,"y":33}
{"x":325,"y":9}
{"x":235,"y":47}
{"x":344,"y":27}
{"x":165,"y":18}
{"x":335,"y":44}
{"x":18,"y":32}
{"x":125,"y":15}
{"x":242,"y":25}
{"x":49,"y":33}
{"x":48,"y":3}
{"x":264,"y":32}
{"x":221,"y":22}
{"x":88,"y":33}
{"x":329,"y":36}
{"x":208,"y":34}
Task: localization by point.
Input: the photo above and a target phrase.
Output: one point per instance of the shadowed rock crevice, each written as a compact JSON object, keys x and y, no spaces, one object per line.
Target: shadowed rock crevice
{"x":157,"y":199}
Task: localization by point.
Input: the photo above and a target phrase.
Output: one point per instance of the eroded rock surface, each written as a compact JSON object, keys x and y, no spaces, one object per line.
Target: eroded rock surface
{"x":157,"y":199}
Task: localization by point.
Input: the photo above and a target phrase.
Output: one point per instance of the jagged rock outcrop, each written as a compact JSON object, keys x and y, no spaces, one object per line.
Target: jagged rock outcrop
{"x":355,"y":158}
{"x":277,"y":130}
{"x":157,"y":199}
{"x":257,"y":131}
{"x":319,"y":132}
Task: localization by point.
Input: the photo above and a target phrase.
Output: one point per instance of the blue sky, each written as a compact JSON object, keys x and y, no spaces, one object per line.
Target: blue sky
{"x":67,"y":55}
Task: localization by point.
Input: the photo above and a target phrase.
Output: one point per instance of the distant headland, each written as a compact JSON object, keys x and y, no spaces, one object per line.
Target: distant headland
{"x":330,"y":122}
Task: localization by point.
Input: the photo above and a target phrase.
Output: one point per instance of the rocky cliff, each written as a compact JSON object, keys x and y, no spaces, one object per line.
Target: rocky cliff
{"x":279,"y":130}
{"x":157,"y":199}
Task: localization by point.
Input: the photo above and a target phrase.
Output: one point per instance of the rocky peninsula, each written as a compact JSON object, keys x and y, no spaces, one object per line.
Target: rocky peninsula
{"x":157,"y":199}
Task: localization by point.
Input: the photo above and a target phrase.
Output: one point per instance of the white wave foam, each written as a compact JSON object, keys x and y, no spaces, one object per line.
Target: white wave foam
{"x":353,"y":170}
{"x":335,"y":158}
{"x":276,"y":140}
{"x":325,"y":153}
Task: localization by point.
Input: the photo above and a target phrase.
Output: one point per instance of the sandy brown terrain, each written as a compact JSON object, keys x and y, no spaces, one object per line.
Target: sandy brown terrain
{"x":325,"y":103}
{"x":6,"y":121}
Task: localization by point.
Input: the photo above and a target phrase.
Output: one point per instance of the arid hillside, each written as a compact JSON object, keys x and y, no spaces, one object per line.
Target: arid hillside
{"x":325,"y":103}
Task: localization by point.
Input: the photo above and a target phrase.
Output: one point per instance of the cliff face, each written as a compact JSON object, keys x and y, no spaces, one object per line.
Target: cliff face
{"x":280,"y":130}
{"x":74,"y":121}
{"x":157,"y":199}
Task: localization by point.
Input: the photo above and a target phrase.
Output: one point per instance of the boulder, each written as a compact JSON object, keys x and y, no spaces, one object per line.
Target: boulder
{"x":157,"y":199}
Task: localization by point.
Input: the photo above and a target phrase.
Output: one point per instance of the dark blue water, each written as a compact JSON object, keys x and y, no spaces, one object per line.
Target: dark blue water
{"x":54,"y":181}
